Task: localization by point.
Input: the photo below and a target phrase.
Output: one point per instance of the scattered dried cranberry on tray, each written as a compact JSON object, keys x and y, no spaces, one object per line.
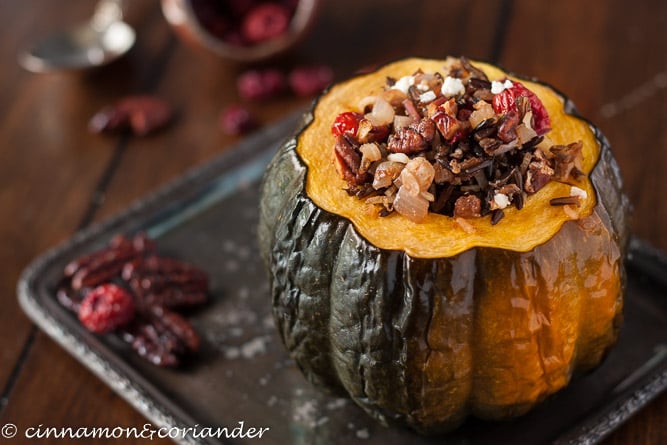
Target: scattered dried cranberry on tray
{"x":128,"y":288}
{"x":456,"y":144}
{"x":236,"y":120}
{"x":260,"y":85}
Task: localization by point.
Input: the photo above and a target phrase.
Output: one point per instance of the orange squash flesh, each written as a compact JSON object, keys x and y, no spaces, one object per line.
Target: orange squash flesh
{"x":425,"y":324}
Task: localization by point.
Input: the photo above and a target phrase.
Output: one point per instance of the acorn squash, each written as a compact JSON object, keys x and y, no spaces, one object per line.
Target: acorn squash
{"x":423,"y":324}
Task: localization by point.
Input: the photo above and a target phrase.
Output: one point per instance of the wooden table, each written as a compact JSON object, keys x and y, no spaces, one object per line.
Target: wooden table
{"x":55,"y":177}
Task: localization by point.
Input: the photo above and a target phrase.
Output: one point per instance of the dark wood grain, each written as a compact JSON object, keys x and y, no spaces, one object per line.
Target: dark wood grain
{"x":55,"y":176}
{"x":47,"y":172}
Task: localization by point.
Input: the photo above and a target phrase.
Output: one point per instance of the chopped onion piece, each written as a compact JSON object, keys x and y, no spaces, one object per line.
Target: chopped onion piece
{"x":483,"y":111}
{"x":428,"y":196}
{"x":409,"y":182}
{"x":398,"y":157}
{"x":525,"y":134}
{"x":423,"y":172}
{"x":385,"y":173}
{"x":367,"y":102}
{"x":504,"y":148}
{"x":401,"y":122}
{"x":528,"y":119}
{"x":413,"y":207}
{"x":370,"y":153}
{"x":382,"y":113}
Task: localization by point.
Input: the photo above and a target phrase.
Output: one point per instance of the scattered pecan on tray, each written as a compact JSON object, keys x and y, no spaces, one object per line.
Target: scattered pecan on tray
{"x":128,"y":288}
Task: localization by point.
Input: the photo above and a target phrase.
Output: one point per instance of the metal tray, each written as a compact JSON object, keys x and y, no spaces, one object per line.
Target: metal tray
{"x":209,"y":217}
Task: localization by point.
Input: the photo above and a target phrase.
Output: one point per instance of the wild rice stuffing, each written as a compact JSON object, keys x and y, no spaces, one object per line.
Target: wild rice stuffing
{"x":456,"y":144}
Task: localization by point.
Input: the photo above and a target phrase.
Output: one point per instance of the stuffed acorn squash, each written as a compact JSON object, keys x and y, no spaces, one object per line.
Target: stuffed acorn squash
{"x":430,"y":310}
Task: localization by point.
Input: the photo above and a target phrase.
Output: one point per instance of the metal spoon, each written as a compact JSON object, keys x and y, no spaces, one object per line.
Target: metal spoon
{"x":103,"y":39}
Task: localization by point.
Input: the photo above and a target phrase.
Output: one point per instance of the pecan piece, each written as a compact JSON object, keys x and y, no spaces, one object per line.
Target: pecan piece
{"x":425,"y":128}
{"x":507,"y":126}
{"x":538,"y":175}
{"x":142,"y":114}
{"x":178,"y":326}
{"x":158,"y":283}
{"x":450,"y":127}
{"x":101,"y":266}
{"x":473,"y":71}
{"x":162,"y":336}
{"x":367,"y":132}
{"x":150,"y":344}
{"x":348,"y":161}
{"x":567,"y":160}
{"x":163,"y":281}
{"x":467,"y":206}
{"x":406,"y":140}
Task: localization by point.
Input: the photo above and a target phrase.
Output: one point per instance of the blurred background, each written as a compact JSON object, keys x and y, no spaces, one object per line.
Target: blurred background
{"x":609,"y":57}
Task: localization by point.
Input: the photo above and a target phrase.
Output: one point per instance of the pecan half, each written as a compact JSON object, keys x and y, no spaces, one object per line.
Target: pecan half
{"x":406,"y":140}
{"x":538,"y":175}
{"x":348,"y":160}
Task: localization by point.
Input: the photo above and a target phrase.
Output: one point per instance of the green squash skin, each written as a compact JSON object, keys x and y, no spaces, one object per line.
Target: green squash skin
{"x":355,"y":318}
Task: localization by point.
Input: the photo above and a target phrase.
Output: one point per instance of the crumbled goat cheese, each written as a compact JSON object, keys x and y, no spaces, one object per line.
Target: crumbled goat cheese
{"x":423,"y":86}
{"x":501,"y":200}
{"x":404,"y":83}
{"x":427,"y":97}
{"x":499,"y":87}
{"x":452,"y":87}
{"x":576,"y":191}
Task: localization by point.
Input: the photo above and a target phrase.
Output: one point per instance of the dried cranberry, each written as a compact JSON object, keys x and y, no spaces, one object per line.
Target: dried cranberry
{"x":347,"y":122}
{"x":506,"y":100}
{"x":236,"y":120}
{"x":106,"y":308}
{"x":264,"y":22}
{"x":259,"y":85}
{"x":308,"y":81}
